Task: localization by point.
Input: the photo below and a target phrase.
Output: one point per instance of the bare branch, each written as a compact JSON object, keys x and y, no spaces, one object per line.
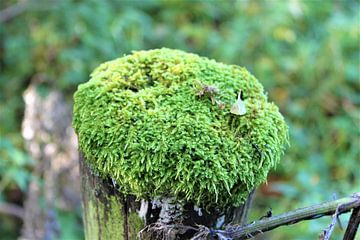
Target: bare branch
{"x":9,"y":13}
{"x":335,"y":207}
{"x":328,"y":231}
{"x":12,"y":209}
{"x":241,"y":214}
{"x":328,"y":208}
{"x":15,"y":10}
{"x":353,"y":224}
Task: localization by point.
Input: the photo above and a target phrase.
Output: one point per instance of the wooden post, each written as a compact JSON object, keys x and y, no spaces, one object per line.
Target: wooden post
{"x":108,"y":214}
{"x":168,"y":132}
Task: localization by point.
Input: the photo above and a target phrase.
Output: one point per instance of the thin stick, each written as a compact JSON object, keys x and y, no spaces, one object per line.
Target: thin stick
{"x":312,"y":212}
{"x":353,"y":224}
{"x":17,"y":9}
{"x":12,"y":11}
{"x":328,"y":231}
{"x":246,"y":208}
{"x":12,"y":209}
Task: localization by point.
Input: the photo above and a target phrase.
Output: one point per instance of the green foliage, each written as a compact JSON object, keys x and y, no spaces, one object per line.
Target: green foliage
{"x":16,"y":171}
{"x":141,"y":121}
{"x":71,"y":225}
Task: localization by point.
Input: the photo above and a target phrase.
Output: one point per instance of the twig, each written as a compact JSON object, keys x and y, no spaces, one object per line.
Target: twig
{"x":12,"y":209}
{"x":8,"y":13}
{"x":244,"y":210}
{"x":328,"y":231}
{"x":160,"y":230}
{"x":335,"y":208}
{"x":22,"y":6}
{"x":312,"y":212}
{"x":353,"y":224}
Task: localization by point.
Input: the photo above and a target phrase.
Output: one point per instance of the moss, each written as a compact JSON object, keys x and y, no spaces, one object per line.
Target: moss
{"x":99,"y":219}
{"x":159,"y":123}
{"x":135,"y":225}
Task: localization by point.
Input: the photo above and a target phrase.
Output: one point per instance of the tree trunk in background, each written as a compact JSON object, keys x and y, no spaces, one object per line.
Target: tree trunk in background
{"x":52,"y":144}
{"x":108,"y":214}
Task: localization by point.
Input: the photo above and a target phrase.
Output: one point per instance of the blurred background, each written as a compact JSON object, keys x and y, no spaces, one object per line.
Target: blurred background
{"x":305,"y":53}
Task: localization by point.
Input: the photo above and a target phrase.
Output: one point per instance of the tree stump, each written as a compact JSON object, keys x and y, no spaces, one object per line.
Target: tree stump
{"x":187,"y":136}
{"x":109,"y":214}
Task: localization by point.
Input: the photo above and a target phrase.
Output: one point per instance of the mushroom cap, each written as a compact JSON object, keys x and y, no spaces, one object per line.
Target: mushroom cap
{"x":159,"y":123}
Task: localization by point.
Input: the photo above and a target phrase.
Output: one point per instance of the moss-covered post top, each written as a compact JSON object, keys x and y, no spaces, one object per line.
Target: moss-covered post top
{"x":166,"y":123}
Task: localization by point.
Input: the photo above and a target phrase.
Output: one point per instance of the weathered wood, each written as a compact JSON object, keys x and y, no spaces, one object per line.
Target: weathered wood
{"x":241,"y":213}
{"x":108,"y":214}
{"x":353,"y":224}
{"x":342,"y":205}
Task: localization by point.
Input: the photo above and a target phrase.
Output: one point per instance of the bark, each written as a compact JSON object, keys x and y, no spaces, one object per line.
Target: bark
{"x":108,"y":214}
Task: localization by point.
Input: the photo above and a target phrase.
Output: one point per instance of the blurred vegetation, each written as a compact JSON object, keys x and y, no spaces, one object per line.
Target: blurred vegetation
{"x":305,"y":53}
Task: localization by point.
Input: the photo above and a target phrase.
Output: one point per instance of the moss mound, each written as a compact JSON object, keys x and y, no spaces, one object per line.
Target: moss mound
{"x":159,"y":123}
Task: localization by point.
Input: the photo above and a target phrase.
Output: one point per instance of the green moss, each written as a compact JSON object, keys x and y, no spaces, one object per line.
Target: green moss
{"x":135,"y":224}
{"x":148,"y":121}
{"x":99,"y":219}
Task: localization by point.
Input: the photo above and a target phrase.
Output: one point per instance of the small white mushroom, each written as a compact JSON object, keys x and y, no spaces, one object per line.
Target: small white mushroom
{"x":238,"y":108}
